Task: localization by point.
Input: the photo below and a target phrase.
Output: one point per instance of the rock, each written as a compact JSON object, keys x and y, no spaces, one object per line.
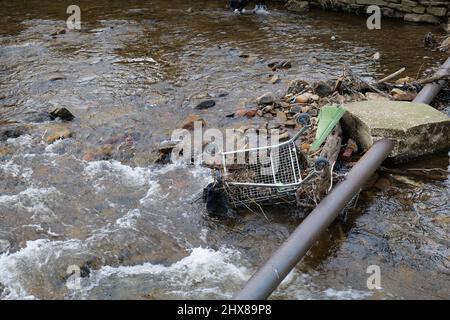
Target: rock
{"x":189,"y":122}
{"x":322,"y":89}
{"x":297,"y":86}
{"x":267,"y":109}
{"x":305,"y":147}
{"x":376,"y":56}
{"x":240,"y":113}
{"x":205,"y":104}
{"x":274,"y":79}
{"x":416,"y":129}
{"x":4,"y":246}
{"x":62,"y":113}
{"x":313,"y":60}
{"x":405,"y":80}
{"x":260,"y":113}
{"x":296,"y":109}
{"x":441,"y":220}
{"x":303,"y":98}
{"x":284,"y":136}
{"x":10,"y":130}
{"x":401,"y":95}
{"x":89,"y":156}
{"x":58,"y":133}
{"x":290,"y":123}
{"x":4,"y":150}
{"x":297,"y":6}
{"x":283,"y":64}
{"x":250,"y":113}
{"x":281,"y":116}
{"x":428,"y":18}
{"x":306,"y":109}
{"x":382,"y":184}
{"x":372,"y":96}
{"x":267,"y":98}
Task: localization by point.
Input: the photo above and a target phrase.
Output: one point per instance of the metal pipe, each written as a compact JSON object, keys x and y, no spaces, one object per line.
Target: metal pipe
{"x":430,"y":91}
{"x":267,"y":279}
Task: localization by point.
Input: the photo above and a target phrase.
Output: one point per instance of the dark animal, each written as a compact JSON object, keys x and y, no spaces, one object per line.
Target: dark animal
{"x":239,"y":5}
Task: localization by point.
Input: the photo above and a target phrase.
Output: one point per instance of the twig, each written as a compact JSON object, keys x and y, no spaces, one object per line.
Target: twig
{"x":393,"y":75}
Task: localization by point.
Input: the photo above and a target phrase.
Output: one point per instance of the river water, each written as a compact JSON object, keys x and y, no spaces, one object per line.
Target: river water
{"x":130,"y":75}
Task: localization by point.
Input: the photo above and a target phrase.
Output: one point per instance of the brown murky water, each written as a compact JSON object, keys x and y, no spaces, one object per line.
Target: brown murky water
{"x":133,"y":72}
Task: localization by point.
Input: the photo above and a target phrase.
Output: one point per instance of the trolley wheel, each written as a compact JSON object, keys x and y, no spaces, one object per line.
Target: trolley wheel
{"x":303,"y":119}
{"x":320,"y":164}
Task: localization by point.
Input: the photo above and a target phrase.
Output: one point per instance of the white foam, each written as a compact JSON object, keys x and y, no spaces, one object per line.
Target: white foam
{"x":204,"y":270}
{"x":17,"y":269}
{"x":129,"y":220}
{"x":349,"y":294}
{"x":14,"y":170}
{"x":32,"y":200}
{"x":129,"y":176}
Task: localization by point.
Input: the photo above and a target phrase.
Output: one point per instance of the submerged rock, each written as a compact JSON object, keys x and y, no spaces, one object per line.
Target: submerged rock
{"x":189,"y":122}
{"x":205,"y":104}
{"x":58,"y":133}
{"x":62,"y":113}
{"x":267,"y":98}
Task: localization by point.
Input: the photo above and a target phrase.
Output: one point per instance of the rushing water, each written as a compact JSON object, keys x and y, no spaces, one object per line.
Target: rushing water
{"x":130,"y":75}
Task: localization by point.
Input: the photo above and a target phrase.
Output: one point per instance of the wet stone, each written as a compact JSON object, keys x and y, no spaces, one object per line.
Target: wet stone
{"x":205,"y":105}
{"x":62,"y":113}
{"x":267,"y":98}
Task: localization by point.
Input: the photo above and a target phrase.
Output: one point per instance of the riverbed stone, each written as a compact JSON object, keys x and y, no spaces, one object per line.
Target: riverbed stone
{"x":267,"y":98}
{"x":416,"y":129}
{"x":297,"y":6}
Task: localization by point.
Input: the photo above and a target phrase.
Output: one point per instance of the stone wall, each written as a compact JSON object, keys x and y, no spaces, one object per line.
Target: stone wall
{"x":429,"y":11}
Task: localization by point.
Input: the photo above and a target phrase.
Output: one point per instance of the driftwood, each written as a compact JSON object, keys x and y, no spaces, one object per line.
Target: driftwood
{"x":330,"y":151}
{"x":426,"y":174}
{"x":393,"y":75}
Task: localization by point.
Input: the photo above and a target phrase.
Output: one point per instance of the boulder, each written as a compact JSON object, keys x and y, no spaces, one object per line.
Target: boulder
{"x":416,"y":129}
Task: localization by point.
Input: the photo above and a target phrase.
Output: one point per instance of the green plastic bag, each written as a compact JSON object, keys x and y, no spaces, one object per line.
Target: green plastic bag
{"x":329,"y":116}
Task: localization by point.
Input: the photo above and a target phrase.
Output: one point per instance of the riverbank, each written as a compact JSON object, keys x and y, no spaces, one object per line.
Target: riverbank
{"x":430,"y":11}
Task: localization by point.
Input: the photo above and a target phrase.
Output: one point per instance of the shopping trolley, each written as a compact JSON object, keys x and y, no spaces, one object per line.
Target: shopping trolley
{"x":270,"y":174}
